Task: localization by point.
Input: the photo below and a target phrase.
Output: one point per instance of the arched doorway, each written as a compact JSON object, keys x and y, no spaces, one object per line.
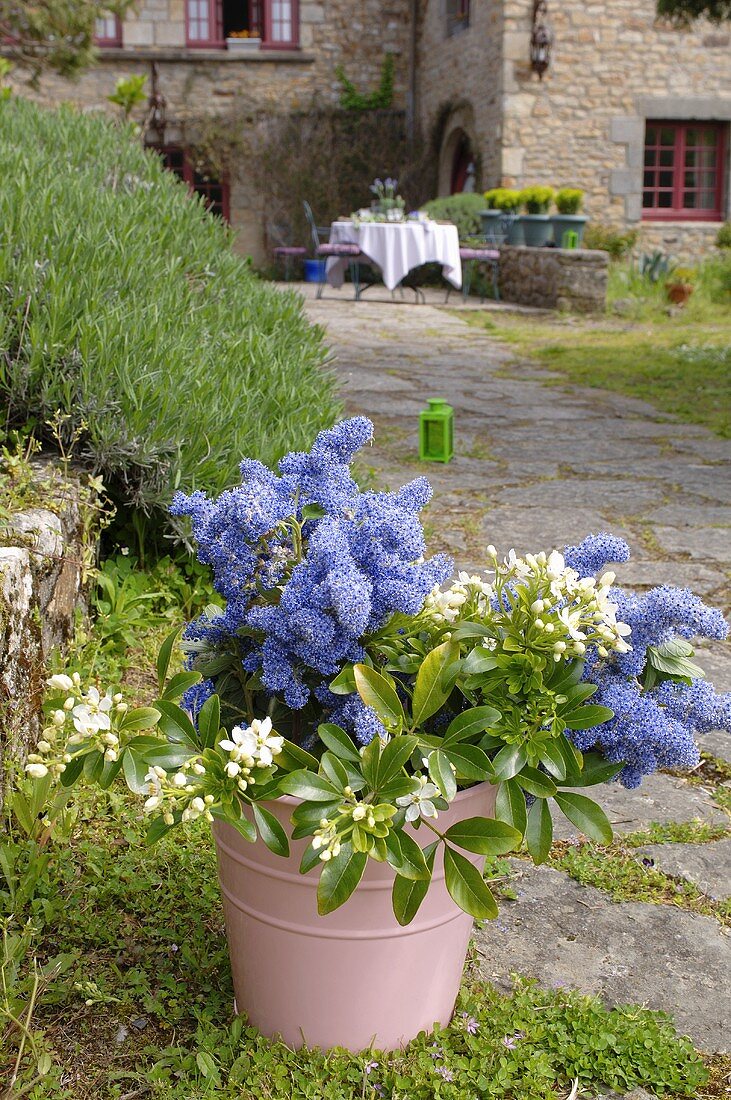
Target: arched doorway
{"x":463,"y":167}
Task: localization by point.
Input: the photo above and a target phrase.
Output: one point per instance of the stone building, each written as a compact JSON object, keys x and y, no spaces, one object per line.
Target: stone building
{"x":634,"y":112}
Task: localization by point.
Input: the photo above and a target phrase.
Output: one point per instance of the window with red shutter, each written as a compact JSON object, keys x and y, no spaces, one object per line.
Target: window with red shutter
{"x":684,"y":173}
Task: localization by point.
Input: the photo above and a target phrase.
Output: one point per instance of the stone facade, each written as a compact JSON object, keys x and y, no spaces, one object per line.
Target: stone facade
{"x":45,"y":554}
{"x":613,"y":66}
{"x":572,"y":279}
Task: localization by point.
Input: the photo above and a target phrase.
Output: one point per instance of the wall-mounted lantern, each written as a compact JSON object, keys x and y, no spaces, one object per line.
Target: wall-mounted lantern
{"x":436,"y":431}
{"x":541,"y":39}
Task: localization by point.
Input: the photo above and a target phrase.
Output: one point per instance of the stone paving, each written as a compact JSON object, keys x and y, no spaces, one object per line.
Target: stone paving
{"x":538,"y":467}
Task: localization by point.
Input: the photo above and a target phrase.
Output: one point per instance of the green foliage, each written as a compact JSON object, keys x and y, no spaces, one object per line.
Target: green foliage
{"x":537,"y":200}
{"x":123,"y":305}
{"x":503,"y":198}
{"x":381,"y":99}
{"x":461,"y":209}
{"x":606,"y":239}
{"x":654,"y":266}
{"x":129,"y":92}
{"x":569,"y":200}
{"x":55,"y":35}
{"x":685,"y":12}
{"x":723,"y":237}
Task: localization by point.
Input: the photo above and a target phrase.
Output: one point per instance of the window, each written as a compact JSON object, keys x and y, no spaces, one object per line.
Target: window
{"x":210,"y":22}
{"x":458,"y":16}
{"x":684,"y":171}
{"x":214,"y":192}
{"x":108,"y":31}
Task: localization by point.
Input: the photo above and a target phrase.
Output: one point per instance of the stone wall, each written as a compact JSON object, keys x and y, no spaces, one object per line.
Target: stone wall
{"x":237,"y":89}
{"x":613,"y":67}
{"x":45,"y":553}
{"x":554,"y":278}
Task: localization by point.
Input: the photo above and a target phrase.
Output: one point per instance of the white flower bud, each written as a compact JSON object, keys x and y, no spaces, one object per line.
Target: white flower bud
{"x":491,"y":551}
{"x":110,"y":754}
{"x":36,"y":771}
{"x":168,"y":818}
{"x":118,"y":697}
{"x":159,"y":772}
{"x":537,"y":606}
{"x":179,"y":779}
{"x":209,"y":800}
{"x":121,"y":708}
{"x":59,"y":717}
{"x":232,"y":769}
{"x":198,"y":804}
{"x":76,"y":679}
{"x":559,"y":647}
{"x":43,"y":746}
{"x":326,"y":856}
{"x":69,"y":703}
{"x":198,"y":769}
{"x":359,"y":813}
{"x":540,"y":624}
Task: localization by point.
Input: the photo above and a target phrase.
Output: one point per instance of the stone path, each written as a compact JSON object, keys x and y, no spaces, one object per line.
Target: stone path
{"x":538,"y":467}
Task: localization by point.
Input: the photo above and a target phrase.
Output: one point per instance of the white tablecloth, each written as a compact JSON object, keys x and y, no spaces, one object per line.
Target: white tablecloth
{"x":398,"y":247}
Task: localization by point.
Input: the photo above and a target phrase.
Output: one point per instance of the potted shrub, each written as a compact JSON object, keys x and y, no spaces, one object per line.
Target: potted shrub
{"x":679,"y":285}
{"x":504,"y":200}
{"x":536,"y":222}
{"x":491,"y":213}
{"x":360,"y":730}
{"x":569,"y":201}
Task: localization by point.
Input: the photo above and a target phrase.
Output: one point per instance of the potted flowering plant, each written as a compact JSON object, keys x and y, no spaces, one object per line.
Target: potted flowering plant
{"x":388,"y":205}
{"x":361,"y":733}
{"x":500,"y":201}
{"x":536,"y":222}
{"x":569,"y":201}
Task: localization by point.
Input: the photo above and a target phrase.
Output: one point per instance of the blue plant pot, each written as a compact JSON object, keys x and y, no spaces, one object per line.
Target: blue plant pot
{"x":315,"y":271}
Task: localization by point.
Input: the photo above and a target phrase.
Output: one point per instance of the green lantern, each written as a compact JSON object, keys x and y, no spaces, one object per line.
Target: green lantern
{"x":436,"y":431}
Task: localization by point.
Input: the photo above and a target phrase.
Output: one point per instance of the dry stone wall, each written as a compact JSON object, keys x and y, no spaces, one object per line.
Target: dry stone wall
{"x":45,"y":553}
{"x":554,"y":278}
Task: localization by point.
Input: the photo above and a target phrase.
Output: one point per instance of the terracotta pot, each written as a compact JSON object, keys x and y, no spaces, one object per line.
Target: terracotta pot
{"x":354,"y":978}
{"x":679,"y":293}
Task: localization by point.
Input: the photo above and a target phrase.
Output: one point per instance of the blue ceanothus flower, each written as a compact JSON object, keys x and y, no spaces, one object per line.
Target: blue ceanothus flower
{"x":348,"y":562}
{"x":653,"y":728}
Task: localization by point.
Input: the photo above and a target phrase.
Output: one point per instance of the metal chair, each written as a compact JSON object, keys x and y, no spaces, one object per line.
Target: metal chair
{"x":325,"y":250}
{"x":281,"y":235}
{"x":484,"y":250}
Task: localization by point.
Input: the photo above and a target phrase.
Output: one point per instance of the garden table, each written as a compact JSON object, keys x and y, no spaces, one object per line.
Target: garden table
{"x":397,"y":248}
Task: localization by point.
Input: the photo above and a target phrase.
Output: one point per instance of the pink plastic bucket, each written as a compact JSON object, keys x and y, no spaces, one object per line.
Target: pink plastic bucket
{"x":354,"y":978}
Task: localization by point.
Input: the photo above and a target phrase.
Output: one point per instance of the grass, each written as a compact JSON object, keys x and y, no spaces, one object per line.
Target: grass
{"x":680,"y":363}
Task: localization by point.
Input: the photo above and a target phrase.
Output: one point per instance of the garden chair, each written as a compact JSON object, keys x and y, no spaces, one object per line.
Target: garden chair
{"x":280,"y":236}
{"x":325,"y":250}
{"x":485,"y":251}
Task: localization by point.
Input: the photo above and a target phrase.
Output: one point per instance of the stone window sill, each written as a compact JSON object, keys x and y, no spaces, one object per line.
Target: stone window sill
{"x":690,"y":223}
{"x":182,"y":53}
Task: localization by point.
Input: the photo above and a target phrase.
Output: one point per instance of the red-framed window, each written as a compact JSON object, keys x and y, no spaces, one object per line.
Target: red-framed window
{"x":458,"y":16}
{"x":108,"y":31}
{"x":214,"y":192}
{"x":684,"y":171}
{"x":209,"y":22}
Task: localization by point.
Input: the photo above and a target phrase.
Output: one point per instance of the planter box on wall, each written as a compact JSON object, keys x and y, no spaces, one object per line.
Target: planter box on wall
{"x":243,"y":45}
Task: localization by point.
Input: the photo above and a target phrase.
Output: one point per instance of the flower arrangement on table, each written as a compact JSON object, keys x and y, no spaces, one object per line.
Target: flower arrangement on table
{"x":347,"y":670}
{"x":387,"y":206}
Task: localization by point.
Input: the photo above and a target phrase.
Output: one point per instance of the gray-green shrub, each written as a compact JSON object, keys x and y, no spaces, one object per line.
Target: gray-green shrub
{"x":462,"y":209}
{"x":123,"y":305}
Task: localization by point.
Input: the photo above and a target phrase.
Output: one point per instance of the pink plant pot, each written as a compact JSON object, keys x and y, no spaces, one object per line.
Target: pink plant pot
{"x":354,"y":978}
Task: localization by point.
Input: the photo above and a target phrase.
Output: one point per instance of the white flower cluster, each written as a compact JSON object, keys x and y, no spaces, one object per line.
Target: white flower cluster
{"x":169,"y":793}
{"x":448,"y":605}
{"x":250,"y":747}
{"x":86,"y":718}
{"x":419,"y":803}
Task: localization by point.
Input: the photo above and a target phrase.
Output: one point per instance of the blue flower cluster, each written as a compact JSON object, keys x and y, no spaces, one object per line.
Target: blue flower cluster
{"x":594,"y":552}
{"x":653,"y":728}
{"x":308,"y":564}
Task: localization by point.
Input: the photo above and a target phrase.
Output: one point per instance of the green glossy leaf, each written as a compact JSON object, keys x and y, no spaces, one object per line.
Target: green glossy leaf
{"x":486,"y":836}
{"x":586,"y":815}
{"x":164,"y":655}
{"x":242,"y":825}
{"x":539,"y":831}
{"x":509,"y":761}
{"x":312,"y":511}
{"x":553,"y":760}
{"x":393,"y":757}
{"x":340,"y":877}
{"x":510,"y":805}
{"x":310,"y":859}
{"x":141,"y":718}
{"x":536,"y":782}
{"x":135,"y":769}
{"x":370,"y":761}
{"x":209,"y":722}
{"x":565,"y":675}
{"x":308,"y":786}
{"x":378,"y":692}
{"x":481,"y":659}
{"x":169,"y":757}
{"x":413,"y":865}
{"x":180,"y":683}
{"x":429,"y":691}
{"x":440,"y":771}
{"x":408,"y":894}
{"x":294,"y":756}
{"x":344,"y":682}
{"x":470,"y":723}
{"x":595,"y":770}
{"x":175,"y":724}
{"x":93,"y":765}
{"x":109,"y":773}
{"x":156,"y":830}
{"x":584,"y":718}
{"x":337,"y":740}
{"x":72,"y":771}
{"x":270,"y":830}
{"x":470,"y":762}
{"x":466,"y":886}
{"x":333,"y":770}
